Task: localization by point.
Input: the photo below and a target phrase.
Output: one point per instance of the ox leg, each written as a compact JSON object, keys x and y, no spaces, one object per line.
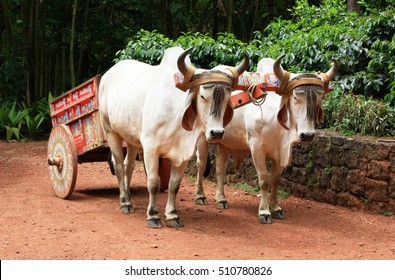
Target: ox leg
{"x":221,"y":160}
{"x":130,"y":164}
{"x":172,"y":219}
{"x":238,"y":159}
{"x":276,"y":211}
{"x":115,"y":143}
{"x":201,"y":160}
{"x":264,"y":214}
{"x":151,"y":162}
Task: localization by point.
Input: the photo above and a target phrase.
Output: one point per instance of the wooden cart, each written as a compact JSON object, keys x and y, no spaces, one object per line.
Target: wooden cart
{"x":77,"y":137}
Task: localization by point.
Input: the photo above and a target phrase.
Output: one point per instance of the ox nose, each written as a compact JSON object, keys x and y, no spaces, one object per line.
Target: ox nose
{"x":217,"y":134}
{"x":307,"y":136}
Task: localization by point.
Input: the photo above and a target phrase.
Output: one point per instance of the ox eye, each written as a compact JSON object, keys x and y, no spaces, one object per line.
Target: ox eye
{"x":204,"y":99}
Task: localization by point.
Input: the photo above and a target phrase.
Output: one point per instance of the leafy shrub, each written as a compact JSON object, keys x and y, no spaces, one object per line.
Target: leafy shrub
{"x":38,"y":120}
{"x":145,"y":46}
{"x":351,"y":114}
{"x":207,"y":52}
{"x":363,"y":45}
{"x":11,"y":119}
{"x":19,"y":122}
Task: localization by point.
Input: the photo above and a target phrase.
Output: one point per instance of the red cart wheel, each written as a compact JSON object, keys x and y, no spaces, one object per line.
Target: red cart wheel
{"x":62,"y":160}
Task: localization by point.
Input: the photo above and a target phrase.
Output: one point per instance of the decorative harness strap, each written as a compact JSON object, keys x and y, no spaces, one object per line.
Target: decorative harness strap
{"x":287,"y":86}
{"x":191,"y":80}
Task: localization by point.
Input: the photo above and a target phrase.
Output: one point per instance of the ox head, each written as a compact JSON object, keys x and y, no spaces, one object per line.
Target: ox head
{"x":208,"y":100}
{"x":301,"y":96}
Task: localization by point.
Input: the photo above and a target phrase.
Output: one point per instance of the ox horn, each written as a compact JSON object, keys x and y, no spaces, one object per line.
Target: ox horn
{"x":332,"y":72}
{"x":278,"y":69}
{"x":281,"y":74}
{"x":186,"y":70}
{"x":240,"y":68}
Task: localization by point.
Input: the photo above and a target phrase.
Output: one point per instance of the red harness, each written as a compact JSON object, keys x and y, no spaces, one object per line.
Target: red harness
{"x":253,"y":85}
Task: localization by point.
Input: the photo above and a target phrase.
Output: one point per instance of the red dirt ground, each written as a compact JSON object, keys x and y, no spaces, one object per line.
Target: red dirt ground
{"x":34,"y":224}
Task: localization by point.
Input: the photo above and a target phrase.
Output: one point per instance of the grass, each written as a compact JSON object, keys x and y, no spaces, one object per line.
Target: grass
{"x":244,"y":186}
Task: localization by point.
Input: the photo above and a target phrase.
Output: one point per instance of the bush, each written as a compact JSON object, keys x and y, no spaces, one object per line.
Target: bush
{"x":363,"y":45}
{"x":351,"y":114}
{"x":19,"y":122}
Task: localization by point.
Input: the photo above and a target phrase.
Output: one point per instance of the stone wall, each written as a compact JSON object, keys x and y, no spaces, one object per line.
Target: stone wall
{"x":353,"y":172}
{"x":356,"y":172}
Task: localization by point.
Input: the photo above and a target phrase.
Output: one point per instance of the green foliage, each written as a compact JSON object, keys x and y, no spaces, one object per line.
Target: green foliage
{"x":283,"y":193}
{"x":11,"y":119}
{"x":38,"y":120}
{"x":207,"y":52}
{"x":352,"y":114}
{"x":246,"y":187}
{"x":20,"y":122}
{"x":363,"y":45}
{"x":145,"y":46}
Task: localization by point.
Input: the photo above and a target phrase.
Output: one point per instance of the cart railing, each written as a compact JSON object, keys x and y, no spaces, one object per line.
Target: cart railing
{"x":78,"y":109}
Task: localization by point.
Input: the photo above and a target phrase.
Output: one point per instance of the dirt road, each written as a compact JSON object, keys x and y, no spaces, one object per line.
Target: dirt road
{"x":34,"y":224}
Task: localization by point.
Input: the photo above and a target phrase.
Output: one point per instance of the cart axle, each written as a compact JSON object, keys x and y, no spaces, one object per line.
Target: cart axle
{"x":56,"y":161}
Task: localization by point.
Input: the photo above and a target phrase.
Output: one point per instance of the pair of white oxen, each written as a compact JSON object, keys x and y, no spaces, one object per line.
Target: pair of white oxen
{"x":140,"y":104}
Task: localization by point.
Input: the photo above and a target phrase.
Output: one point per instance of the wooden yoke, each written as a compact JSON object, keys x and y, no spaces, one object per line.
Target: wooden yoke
{"x":255,"y":85}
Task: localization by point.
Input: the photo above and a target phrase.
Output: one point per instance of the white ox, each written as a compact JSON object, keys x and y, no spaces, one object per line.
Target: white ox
{"x":268,"y":131}
{"x":140,"y":104}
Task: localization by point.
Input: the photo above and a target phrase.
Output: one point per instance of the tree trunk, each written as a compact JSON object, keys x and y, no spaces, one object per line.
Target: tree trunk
{"x":63,"y":85}
{"x":56,"y":75}
{"x":72,"y":42}
{"x":83,"y":40}
{"x":229,"y":16}
{"x":30,"y":55}
{"x":353,"y":6}
{"x":7,"y":21}
{"x":255,"y":20}
{"x":164,"y":17}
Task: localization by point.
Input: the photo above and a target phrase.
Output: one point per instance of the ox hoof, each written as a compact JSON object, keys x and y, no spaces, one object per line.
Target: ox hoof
{"x":278,"y":214}
{"x":154,"y":223}
{"x":222,"y":205}
{"x":127,"y":209}
{"x":174,"y":223}
{"x":265,"y":219}
{"x":201,"y":201}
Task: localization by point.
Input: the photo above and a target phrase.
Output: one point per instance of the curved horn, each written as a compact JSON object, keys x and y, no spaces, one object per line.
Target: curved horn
{"x":278,"y":69}
{"x":240,"y":68}
{"x":181,"y":61}
{"x":332,"y":72}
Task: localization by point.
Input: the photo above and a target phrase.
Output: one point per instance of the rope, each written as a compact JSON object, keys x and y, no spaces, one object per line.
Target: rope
{"x":250,"y":91}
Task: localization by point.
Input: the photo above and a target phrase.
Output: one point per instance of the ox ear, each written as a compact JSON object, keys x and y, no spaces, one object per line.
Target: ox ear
{"x":228,"y":113}
{"x":320,"y":114}
{"x":282,"y":115}
{"x":189,"y":115}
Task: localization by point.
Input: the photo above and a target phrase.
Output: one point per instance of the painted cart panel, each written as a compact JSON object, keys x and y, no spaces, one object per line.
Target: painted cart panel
{"x":78,"y":109}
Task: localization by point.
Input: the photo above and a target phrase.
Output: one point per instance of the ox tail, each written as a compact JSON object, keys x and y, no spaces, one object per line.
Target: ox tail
{"x":111,"y":163}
